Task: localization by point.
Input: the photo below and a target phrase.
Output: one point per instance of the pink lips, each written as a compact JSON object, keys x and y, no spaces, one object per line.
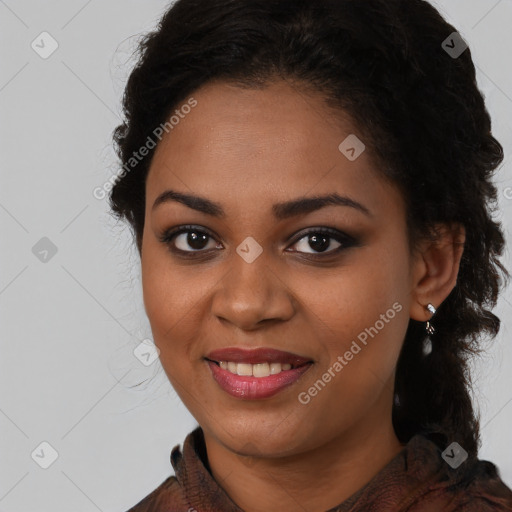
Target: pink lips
{"x":257,"y":355}
{"x":248,"y":387}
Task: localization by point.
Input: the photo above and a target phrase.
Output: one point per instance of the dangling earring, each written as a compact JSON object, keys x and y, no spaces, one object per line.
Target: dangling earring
{"x":427,"y":342}
{"x":430,"y":328}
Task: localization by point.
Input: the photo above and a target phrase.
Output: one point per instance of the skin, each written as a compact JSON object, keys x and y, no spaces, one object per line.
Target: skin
{"x":247,"y":150}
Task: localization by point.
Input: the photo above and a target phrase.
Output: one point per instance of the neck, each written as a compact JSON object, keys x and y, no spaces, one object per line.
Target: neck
{"x":305,"y":480}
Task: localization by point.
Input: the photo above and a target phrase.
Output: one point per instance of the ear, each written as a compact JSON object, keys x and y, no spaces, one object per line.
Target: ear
{"x":436,"y":266}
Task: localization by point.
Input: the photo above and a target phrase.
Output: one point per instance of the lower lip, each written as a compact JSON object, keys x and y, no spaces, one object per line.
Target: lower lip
{"x":253,"y":388}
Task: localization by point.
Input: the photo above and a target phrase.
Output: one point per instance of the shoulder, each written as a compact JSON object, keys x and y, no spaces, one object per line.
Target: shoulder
{"x":480,"y":488}
{"x":473,"y":485}
{"x":167,"y":496}
{"x":173,"y":494}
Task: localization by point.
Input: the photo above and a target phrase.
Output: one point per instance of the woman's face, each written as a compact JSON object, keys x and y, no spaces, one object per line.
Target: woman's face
{"x":253,"y":277}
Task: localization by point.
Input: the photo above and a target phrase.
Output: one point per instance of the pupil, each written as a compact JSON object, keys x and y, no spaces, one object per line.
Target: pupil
{"x":318,"y":243}
{"x":320,"y":247}
{"x":194,"y":240}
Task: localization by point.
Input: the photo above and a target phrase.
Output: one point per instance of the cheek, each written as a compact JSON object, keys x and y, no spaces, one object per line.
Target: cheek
{"x":367,"y":305}
{"x":165,"y":295}
{"x":160,"y":284}
{"x":174,"y":303}
{"x":156,"y":288}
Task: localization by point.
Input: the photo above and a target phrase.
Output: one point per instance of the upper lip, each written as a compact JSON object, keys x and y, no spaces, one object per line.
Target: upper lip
{"x":257,"y":355}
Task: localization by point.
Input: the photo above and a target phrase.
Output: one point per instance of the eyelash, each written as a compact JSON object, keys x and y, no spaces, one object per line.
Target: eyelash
{"x":346,"y":241}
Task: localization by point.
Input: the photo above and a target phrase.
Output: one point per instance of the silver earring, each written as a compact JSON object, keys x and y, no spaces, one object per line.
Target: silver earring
{"x":429,"y":327}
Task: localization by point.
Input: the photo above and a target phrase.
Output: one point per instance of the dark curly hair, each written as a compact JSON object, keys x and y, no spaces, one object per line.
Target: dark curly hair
{"x":422,"y":116}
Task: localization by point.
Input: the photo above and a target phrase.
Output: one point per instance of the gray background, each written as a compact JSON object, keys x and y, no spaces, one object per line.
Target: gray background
{"x":69,"y":324}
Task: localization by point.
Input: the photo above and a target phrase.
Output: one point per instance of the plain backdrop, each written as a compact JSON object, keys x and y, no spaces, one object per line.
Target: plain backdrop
{"x":71,"y":308}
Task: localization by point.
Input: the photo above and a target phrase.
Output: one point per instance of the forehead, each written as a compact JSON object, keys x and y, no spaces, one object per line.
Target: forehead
{"x":256,"y":144}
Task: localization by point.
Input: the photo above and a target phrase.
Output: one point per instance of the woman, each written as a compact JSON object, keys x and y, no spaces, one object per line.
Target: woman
{"x":309,"y":187}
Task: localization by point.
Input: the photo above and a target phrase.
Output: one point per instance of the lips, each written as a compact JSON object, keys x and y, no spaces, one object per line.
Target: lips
{"x":256,"y":388}
{"x":258,"y":355}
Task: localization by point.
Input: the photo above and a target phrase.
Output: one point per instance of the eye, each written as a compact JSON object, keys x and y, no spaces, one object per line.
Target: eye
{"x":320,"y":239}
{"x":184,"y":238}
{"x":192,"y":241}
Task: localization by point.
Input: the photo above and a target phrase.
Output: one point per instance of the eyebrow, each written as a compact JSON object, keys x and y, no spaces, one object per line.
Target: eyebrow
{"x":285,"y":210}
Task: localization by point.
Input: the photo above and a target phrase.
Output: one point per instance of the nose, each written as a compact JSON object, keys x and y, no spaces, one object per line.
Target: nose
{"x":252,"y":294}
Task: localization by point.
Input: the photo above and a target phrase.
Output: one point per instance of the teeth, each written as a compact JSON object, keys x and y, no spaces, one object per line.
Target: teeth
{"x":261,"y":370}
{"x":254,"y":370}
{"x":244,"y":369}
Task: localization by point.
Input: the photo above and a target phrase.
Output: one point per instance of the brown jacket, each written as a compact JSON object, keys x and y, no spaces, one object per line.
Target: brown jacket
{"x":416,"y":480}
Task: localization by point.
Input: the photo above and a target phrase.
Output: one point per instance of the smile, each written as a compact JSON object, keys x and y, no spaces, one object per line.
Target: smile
{"x":252,"y":374}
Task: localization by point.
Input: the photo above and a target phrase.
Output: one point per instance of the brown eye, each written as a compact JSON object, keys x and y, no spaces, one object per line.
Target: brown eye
{"x":318,"y":242}
{"x":323,"y":241}
{"x":196,"y":240}
{"x":188,"y":239}
{"x":192,"y":241}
